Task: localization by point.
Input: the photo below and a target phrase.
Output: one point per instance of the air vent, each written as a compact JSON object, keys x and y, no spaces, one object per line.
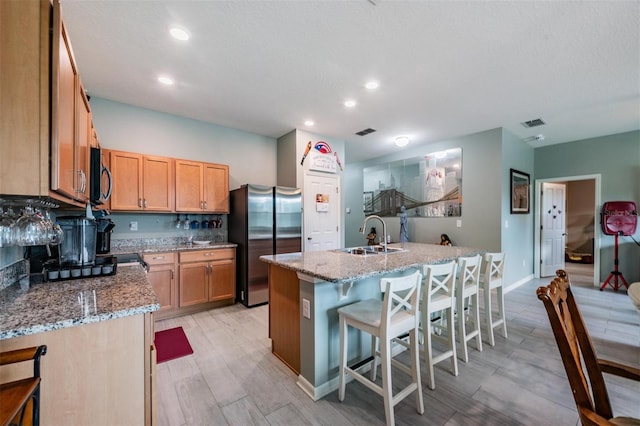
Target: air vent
{"x":533,"y":123}
{"x":365,"y":132}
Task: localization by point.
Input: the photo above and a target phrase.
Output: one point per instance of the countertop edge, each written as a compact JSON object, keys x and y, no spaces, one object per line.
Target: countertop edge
{"x":308,"y":263}
{"x":73,"y":322}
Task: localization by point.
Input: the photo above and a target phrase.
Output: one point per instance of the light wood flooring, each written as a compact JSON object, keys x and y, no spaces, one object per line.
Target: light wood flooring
{"x":232,"y":377}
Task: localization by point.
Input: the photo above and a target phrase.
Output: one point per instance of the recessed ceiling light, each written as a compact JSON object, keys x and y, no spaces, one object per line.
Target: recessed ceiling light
{"x":179,"y":34}
{"x":165,"y":80}
{"x":402,"y":140}
{"x":309,"y":123}
{"x":350,"y":103}
{"x":372,"y":85}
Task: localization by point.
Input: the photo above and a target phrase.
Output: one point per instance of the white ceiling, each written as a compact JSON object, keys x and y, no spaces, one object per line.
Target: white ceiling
{"x":446,"y":68}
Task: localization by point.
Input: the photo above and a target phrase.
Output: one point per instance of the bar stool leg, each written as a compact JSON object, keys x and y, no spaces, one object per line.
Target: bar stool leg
{"x":343,"y":358}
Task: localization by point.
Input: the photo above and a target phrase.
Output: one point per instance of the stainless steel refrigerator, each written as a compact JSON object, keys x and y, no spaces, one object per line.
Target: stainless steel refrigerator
{"x":263,"y":220}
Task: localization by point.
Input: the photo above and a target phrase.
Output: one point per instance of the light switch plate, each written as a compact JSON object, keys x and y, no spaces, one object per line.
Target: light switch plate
{"x":133,"y":226}
{"x":306,"y":308}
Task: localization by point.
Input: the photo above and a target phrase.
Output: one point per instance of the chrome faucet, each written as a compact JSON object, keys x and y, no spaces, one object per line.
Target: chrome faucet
{"x":384,"y":229}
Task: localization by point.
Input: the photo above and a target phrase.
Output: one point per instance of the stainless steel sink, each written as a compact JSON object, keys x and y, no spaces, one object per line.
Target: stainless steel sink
{"x":371,"y":250}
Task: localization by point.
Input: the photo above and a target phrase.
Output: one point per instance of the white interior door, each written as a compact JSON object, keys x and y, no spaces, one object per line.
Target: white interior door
{"x":553,"y":228}
{"x":321,"y":212}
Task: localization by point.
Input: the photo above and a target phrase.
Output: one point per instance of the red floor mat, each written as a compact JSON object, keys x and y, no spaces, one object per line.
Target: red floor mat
{"x":171,"y":344}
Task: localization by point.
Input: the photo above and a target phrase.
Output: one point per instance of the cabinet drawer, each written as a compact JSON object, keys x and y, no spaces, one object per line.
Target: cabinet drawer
{"x":207,"y":255}
{"x":159,"y":258}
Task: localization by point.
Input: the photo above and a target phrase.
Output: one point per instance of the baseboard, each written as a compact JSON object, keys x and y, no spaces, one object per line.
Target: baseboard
{"x":519,"y":283}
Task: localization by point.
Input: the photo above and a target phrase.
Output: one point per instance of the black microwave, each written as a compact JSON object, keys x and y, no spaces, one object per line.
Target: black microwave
{"x":100,"y":182}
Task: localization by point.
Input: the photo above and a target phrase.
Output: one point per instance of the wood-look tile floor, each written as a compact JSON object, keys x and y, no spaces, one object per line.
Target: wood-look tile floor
{"x":232,"y":377}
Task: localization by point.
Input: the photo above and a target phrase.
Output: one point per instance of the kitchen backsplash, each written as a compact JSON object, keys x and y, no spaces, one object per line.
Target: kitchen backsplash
{"x":133,"y":243}
{"x":10,"y":273}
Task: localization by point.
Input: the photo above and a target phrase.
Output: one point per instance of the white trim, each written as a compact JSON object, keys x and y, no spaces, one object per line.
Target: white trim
{"x":518,"y":283}
{"x":596,"y":214}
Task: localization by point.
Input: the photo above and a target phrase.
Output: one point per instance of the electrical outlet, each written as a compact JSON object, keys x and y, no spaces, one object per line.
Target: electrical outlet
{"x":306,"y":308}
{"x":524,"y":262}
{"x":459,"y":223}
{"x":133,"y":226}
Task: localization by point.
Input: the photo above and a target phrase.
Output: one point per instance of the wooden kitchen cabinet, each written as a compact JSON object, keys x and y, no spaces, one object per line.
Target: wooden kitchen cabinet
{"x":202,"y":187}
{"x":163,"y":277}
{"x":207,"y":276}
{"x":194,"y":283}
{"x":40,"y":88}
{"x":70,"y":114}
{"x":99,"y":373}
{"x":141,"y":182}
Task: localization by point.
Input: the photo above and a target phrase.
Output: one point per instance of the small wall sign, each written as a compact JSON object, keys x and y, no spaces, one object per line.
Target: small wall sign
{"x":322,"y":202}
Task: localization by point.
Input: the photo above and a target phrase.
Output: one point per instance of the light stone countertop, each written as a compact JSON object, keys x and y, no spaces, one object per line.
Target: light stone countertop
{"x":161,"y":248}
{"x":55,"y":305}
{"x":337,"y":266}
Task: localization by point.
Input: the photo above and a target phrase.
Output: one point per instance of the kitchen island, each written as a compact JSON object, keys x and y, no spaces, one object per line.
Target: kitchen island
{"x":306,"y":290}
{"x":99,"y":336}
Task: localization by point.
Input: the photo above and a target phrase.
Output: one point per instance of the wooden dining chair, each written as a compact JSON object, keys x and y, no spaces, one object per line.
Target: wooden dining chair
{"x":16,"y":395}
{"x":584,"y":369}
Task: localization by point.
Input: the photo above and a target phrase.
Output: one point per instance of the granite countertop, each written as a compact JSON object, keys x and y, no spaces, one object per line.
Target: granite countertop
{"x":55,"y":305}
{"x":160,"y":248}
{"x":337,"y":266}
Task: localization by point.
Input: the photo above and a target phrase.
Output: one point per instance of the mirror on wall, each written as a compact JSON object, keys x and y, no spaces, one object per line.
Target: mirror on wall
{"x":428,"y":186}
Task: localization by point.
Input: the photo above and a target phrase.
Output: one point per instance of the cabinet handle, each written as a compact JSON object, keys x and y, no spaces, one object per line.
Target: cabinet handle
{"x":158,"y":258}
{"x":171,"y":274}
{"x":144,"y":203}
{"x":205,"y":205}
{"x":207,"y":254}
{"x":83,"y":180}
{"x":140,"y":202}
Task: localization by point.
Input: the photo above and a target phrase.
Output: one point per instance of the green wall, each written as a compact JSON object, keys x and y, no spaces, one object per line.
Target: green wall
{"x":617,"y":159}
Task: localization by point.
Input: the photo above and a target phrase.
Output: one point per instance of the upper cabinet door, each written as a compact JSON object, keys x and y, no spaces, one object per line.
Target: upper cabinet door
{"x":189,"y":191}
{"x":216,"y":188}
{"x":83,"y":142}
{"x":63,"y":123}
{"x":157,"y":184}
{"x":126,"y":169}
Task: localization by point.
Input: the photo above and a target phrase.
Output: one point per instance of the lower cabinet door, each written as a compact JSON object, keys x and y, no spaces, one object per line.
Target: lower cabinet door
{"x":162,"y":278}
{"x":222,"y":284}
{"x":194,"y":283}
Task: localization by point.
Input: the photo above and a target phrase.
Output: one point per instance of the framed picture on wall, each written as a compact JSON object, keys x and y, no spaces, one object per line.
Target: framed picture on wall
{"x":367,"y":201}
{"x":519,"y":192}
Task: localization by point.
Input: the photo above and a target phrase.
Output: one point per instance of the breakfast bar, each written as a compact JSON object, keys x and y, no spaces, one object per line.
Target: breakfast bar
{"x":306,"y":290}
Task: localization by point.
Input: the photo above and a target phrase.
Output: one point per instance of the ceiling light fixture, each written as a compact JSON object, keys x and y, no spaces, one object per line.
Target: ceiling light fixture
{"x":372,"y":85}
{"x":179,"y":34}
{"x":402,"y":140}
{"x":309,"y":123}
{"x":350,"y":103}
{"x":165,"y":80}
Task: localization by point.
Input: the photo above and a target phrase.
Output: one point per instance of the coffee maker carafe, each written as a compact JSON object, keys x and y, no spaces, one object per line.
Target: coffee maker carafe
{"x":79,"y":243}
{"x":103,"y":242}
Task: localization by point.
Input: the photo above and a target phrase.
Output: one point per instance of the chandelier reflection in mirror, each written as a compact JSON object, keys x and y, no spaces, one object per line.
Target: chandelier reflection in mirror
{"x":428,"y":186}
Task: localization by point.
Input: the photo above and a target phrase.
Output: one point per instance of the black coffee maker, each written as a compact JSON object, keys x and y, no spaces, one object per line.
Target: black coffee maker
{"x":103,"y":236}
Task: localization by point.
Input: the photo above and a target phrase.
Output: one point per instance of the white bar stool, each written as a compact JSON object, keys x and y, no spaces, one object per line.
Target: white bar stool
{"x":385,"y":320}
{"x":467,"y":288}
{"x":438,"y":295}
{"x":492,"y":279}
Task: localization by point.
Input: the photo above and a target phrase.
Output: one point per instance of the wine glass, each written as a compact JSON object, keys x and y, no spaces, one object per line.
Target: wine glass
{"x":55,"y":232}
{"x":7,"y":228}
{"x":31,"y":229}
